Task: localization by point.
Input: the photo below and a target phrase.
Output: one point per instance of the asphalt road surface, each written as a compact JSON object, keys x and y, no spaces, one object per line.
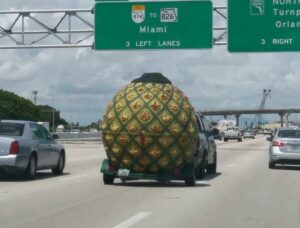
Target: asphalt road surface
{"x":244,"y":193}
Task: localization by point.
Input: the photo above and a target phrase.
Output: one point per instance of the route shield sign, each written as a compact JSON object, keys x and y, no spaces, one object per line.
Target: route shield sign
{"x":263,"y":25}
{"x":153,"y":25}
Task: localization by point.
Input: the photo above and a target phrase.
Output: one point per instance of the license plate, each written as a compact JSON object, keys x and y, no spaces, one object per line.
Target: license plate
{"x":123,"y":172}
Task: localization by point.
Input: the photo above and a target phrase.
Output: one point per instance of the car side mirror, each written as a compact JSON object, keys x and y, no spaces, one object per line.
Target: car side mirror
{"x":55,"y":136}
{"x":215,"y":131}
{"x":269,"y":139}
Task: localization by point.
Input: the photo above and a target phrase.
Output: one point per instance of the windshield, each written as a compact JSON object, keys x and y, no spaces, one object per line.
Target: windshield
{"x":11,"y":129}
{"x":289,"y":134}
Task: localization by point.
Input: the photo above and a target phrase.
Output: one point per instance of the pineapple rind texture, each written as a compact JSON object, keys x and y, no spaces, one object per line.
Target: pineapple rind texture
{"x":150,"y":127}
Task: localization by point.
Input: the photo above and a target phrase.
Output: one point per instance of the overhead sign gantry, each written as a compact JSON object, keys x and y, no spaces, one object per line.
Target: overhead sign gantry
{"x":253,"y":26}
{"x":66,"y":28}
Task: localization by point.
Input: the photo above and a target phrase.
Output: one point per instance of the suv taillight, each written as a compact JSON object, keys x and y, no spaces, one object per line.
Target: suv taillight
{"x":14,"y":148}
{"x":278,"y":143}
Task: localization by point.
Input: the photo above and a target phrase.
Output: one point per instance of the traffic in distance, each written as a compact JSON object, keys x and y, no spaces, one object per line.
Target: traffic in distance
{"x":23,"y":151}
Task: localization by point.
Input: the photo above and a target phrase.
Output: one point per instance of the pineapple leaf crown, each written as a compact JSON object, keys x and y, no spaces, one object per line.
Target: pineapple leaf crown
{"x":152,"y":77}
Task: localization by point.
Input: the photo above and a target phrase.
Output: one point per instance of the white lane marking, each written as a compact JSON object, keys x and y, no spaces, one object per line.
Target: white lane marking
{"x":202,"y":182}
{"x":173,"y":197}
{"x":231,"y":165}
{"x":74,"y":177}
{"x":133,"y":220}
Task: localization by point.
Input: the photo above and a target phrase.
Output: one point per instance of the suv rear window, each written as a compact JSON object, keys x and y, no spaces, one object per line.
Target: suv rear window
{"x":11,"y":129}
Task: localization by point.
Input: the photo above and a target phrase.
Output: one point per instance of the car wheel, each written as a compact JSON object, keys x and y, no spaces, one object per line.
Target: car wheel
{"x":59,"y":169}
{"x":200,"y":171}
{"x":271,"y":165}
{"x":108,"y":179}
{"x":212,"y":168}
{"x":225,"y":140}
{"x":30,"y":172}
{"x":191,"y":180}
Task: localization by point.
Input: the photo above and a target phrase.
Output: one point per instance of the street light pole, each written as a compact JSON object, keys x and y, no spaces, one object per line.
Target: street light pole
{"x":35,"y":92}
{"x":53,"y":114}
{"x":53,"y":117}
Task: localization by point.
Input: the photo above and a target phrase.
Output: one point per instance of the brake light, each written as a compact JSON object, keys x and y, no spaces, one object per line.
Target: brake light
{"x":14,"y":148}
{"x":278,"y":143}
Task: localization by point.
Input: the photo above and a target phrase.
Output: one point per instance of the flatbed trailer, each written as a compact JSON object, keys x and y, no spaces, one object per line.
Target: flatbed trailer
{"x":186,"y":173}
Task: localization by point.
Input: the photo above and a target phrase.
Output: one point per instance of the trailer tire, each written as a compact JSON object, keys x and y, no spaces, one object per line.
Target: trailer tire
{"x":191,"y":180}
{"x":108,"y":179}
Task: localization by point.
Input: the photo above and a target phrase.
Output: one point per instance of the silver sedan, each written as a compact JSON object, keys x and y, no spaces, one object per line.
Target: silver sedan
{"x":27,"y":146}
{"x":284,"y":147}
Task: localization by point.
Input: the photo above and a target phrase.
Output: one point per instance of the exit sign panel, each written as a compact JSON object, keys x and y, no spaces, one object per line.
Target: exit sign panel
{"x":153,"y":25}
{"x":263,"y":25}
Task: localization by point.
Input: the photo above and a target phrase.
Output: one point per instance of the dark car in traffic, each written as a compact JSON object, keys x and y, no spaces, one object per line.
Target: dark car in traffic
{"x":27,"y":147}
{"x":249,"y":134}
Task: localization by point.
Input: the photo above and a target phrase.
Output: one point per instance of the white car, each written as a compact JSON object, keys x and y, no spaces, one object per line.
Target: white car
{"x":284,"y":147}
{"x":74,"y":131}
{"x":233,"y":133}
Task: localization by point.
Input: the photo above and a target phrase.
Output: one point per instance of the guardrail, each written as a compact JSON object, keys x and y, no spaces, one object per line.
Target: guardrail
{"x":80,"y":136}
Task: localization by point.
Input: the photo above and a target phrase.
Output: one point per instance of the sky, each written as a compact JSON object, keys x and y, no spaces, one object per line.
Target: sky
{"x":81,"y":82}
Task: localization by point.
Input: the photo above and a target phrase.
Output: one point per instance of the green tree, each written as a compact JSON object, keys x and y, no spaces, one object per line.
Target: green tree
{"x":15,"y":107}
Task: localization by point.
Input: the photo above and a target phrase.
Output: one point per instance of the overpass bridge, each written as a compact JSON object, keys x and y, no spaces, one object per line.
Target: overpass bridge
{"x":238,"y":113}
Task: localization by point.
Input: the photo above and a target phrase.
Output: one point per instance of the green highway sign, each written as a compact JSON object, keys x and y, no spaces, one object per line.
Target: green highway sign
{"x":263,"y":25}
{"x":153,"y":25}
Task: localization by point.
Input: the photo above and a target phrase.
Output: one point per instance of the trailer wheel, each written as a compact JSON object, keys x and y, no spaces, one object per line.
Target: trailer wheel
{"x":191,"y":180}
{"x":108,"y":179}
{"x":123,"y":179}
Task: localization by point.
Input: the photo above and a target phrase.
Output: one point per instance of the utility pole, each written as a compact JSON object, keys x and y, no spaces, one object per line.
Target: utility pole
{"x":266,"y":94}
{"x":35,"y":92}
{"x":53,"y":117}
{"x":53,"y":125}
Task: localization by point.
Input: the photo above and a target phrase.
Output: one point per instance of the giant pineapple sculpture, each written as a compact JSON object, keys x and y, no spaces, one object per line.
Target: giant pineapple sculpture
{"x":150,"y":126}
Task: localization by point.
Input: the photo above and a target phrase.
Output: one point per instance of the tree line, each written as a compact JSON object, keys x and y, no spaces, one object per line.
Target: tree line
{"x":15,"y":107}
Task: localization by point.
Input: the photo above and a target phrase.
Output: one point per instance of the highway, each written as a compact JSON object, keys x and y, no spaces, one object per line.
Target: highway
{"x":243,"y":194}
